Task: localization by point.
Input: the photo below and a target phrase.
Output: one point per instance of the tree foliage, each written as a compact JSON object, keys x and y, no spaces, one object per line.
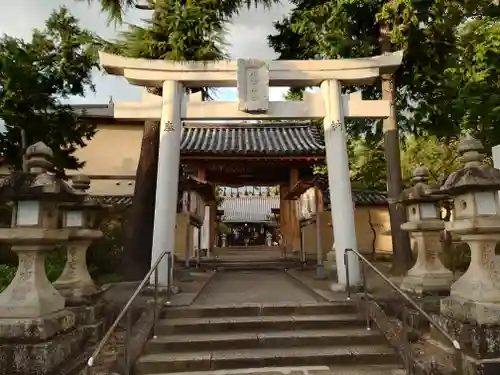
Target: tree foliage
{"x":225,"y":8}
{"x":471,"y":83}
{"x":176,"y":32}
{"x":367,"y":165}
{"x":450,"y":47}
{"x":35,"y":76}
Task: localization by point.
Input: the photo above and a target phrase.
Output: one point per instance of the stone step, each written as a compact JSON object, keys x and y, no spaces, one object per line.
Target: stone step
{"x":247,"y":265}
{"x":231,"y":249}
{"x":253,"y":358}
{"x":305,"y":370}
{"x":261,"y":310}
{"x":272,"y":339}
{"x":256,"y":323}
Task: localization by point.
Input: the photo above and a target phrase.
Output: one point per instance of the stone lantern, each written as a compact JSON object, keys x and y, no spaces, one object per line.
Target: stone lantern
{"x":34,"y":323}
{"x":428,"y":275}
{"x":75,"y":283}
{"x":475,"y":296}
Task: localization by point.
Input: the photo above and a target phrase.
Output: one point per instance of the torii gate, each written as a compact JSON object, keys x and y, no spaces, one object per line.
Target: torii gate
{"x":252,"y":79}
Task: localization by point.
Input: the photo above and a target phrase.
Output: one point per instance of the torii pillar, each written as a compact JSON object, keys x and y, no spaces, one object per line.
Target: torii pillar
{"x":167,"y":181}
{"x":339,"y":181}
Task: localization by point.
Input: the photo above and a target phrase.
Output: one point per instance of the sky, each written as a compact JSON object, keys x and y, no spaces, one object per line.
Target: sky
{"x":246,"y":38}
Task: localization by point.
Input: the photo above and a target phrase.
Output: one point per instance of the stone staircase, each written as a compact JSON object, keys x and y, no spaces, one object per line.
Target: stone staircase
{"x":270,"y":339}
{"x":249,"y":258}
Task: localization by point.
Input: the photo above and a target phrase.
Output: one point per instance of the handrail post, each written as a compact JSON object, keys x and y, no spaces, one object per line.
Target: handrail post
{"x":458,"y":358}
{"x":365,"y":292}
{"x":405,"y":335}
{"x":347,"y":278}
{"x":155,"y":303}
{"x":170,"y":260}
{"x":127,"y":342}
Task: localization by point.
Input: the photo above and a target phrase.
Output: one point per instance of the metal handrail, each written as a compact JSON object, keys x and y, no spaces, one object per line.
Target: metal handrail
{"x":126,"y":310}
{"x":458,"y":353}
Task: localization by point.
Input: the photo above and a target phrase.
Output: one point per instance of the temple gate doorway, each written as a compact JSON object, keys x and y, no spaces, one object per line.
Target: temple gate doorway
{"x":247,"y":218}
{"x":236,"y":158}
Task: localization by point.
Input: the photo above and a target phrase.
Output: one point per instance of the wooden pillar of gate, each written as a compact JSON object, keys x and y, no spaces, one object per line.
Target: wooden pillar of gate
{"x":289,"y":223}
{"x":292,"y":218}
{"x":284,"y":214}
{"x":213,"y":225}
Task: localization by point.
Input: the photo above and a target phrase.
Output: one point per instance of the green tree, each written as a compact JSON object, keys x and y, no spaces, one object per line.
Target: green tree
{"x":35,"y":77}
{"x":178,"y":30}
{"x":471,"y":83}
{"x":116,"y":8}
{"x":439,"y":156}
{"x":366,"y":160}
{"x":427,"y":32}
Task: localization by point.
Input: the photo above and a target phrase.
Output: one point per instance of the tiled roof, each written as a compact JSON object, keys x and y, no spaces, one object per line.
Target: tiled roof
{"x":360,"y":197}
{"x":249,"y":208}
{"x":272,"y":139}
{"x":367,"y":198}
{"x":94,"y":110}
{"x":115,"y":200}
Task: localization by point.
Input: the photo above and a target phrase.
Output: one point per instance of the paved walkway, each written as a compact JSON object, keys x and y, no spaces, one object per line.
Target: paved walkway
{"x":240,"y":287}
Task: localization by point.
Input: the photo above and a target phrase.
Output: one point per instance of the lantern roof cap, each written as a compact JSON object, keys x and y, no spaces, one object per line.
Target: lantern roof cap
{"x":421,"y":191}
{"x":80,"y":185}
{"x":40,"y":182}
{"x":476,"y":175}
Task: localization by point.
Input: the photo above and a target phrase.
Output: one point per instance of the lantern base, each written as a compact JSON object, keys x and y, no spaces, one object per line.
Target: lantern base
{"x":480,"y":342}
{"x":482,"y":313}
{"x":330,"y":263}
{"x":42,"y":328}
{"x":428,"y":283}
{"x":90,"y":318}
{"x":320,"y":272}
{"x":77,"y":295}
{"x":39,"y":346}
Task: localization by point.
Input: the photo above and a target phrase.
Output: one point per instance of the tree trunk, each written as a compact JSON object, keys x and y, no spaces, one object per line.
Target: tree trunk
{"x":402,"y":256}
{"x":24,"y":146}
{"x":136,"y":255}
{"x":374,"y":232}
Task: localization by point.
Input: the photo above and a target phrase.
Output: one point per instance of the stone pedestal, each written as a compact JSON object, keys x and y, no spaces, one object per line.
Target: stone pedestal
{"x":91,"y":320}
{"x":30,"y":294}
{"x":77,"y":287}
{"x":37,"y":332}
{"x":330,"y":264}
{"x":480,"y":284}
{"x":471,"y":314}
{"x":428,"y":275}
{"x":38,"y":346}
{"x":75,"y":283}
{"x":479,"y":342}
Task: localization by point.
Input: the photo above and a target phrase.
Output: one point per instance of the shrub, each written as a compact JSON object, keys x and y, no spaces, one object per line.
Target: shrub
{"x":456,"y":256}
{"x":7,"y":273}
{"x":104,"y":254}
